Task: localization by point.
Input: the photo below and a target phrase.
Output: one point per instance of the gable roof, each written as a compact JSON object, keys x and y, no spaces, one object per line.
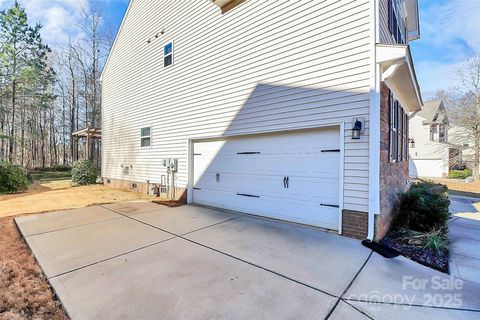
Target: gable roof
{"x":433,"y":112}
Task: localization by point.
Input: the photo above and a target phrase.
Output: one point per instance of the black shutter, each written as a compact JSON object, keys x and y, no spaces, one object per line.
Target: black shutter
{"x":390,"y":145}
{"x":390,"y":16}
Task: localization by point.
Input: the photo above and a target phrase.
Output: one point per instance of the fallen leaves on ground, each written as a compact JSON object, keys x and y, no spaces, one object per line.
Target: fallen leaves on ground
{"x":24,"y":292}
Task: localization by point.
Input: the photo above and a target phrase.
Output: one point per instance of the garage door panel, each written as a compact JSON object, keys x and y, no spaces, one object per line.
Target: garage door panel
{"x":271,"y":143}
{"x":285,"y":210}
{"x":298,"y":187}
{"x":316,"y":164}
{"x":247,"y":174}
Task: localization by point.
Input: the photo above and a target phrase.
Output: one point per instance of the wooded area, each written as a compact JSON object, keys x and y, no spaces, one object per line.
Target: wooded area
{"x":48,"y":94}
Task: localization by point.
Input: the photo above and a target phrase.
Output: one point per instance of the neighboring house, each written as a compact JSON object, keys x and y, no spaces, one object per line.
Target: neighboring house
{"x":251,"y":106}
{"x":463,"y":138}
{"x":430,"y":150}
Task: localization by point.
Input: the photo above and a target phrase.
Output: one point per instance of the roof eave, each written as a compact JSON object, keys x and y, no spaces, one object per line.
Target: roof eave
{"x":398,"y":73}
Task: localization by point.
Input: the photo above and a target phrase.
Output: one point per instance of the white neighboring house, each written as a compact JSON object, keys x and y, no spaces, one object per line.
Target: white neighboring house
{"x":463,"y":139}
{"x":430,"y":151}
{"x":294,"y":110}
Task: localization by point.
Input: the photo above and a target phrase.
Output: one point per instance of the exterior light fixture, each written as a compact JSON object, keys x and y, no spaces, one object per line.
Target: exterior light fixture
{"x":356,"y":130}
{"x":412,"y":142}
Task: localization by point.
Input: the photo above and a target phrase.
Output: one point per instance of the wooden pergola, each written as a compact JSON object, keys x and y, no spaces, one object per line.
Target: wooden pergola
{"x":89,"y":134}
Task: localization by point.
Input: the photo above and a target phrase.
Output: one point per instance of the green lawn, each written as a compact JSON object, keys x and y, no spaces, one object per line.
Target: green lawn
{"x":50,"y":175}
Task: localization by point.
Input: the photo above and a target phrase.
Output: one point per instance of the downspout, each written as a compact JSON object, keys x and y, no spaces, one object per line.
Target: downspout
{"x":374,"y":137}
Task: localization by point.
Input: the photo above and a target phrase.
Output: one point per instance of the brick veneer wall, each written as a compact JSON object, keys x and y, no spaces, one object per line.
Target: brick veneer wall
{"x":393,"y":176}
{"x":355,"y":224}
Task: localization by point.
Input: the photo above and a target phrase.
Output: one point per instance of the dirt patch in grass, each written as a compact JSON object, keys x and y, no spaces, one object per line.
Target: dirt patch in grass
{"x":60,"y":195}
{"x":24,"y":292}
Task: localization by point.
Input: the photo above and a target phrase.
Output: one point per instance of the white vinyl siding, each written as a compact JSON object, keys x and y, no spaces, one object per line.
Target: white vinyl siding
{"x":263,"y":66}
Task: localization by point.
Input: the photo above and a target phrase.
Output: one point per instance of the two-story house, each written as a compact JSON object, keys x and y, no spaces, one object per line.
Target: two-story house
{"x":429,"y":148}
{"x":293,"y":110}
{"x":435,"y":145}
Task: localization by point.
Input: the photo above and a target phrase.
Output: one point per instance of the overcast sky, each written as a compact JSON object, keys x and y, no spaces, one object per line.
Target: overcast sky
{"x":450,"y":32}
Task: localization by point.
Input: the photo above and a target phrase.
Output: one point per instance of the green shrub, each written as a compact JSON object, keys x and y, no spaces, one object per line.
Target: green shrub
{"x":459,"y":174}
{"x":83,"y":172}
{"x":424,"y":207}
{"x":12,"y":178}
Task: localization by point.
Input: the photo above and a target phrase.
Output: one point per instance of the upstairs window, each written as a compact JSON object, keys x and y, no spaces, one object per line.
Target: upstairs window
{"x":398,"y":131}
{"x":145,"y":137}
{"x":442,"y":134}
{"x":168,"y":54}
{"x":396,"y":23}
{"x":433,"y":131}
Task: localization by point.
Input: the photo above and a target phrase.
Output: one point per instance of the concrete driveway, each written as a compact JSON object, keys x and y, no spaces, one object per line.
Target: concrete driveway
{"x":140,"y":260}
{"x":464,"y":235}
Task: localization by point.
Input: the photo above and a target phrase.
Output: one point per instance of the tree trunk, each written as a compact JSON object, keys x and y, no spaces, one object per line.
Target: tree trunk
{"x":476,"y":157}
{"x":11,"y":148}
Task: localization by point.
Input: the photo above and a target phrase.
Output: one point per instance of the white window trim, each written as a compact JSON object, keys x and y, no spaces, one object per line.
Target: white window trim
{"x":172,"y":53}
{"x":143,"y":137}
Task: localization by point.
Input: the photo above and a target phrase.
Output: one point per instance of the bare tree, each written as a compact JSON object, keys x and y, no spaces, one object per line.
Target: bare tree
{"x":45,"y":96}
{"x":463,"y":102}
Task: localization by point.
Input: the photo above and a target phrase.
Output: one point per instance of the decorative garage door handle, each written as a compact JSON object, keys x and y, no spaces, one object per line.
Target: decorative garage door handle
{"x":248,"y":195}
{"x":329,"y":205}
{"x":285,"y":182}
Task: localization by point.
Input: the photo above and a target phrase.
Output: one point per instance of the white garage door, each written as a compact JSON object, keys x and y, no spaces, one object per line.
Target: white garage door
{"x":427,"y":167}
{"x":291,"y":176}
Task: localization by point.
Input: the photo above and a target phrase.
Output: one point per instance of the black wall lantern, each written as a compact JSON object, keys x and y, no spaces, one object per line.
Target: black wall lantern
{"x":412,"y":143}
{"x":357,"y":129}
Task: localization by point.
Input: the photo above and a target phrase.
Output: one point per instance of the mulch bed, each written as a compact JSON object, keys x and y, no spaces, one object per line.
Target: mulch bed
{"x":426,"y":257}
{"x":170,"y":203}
{"x":24,"y":291}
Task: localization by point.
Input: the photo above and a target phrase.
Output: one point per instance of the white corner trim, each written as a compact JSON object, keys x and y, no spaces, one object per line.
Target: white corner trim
{"x":374,"y":137}
{"x":341,"y":185}
{"x":190,"y":169}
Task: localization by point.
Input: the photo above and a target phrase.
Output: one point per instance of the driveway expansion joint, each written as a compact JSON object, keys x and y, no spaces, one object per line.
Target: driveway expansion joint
{"x":229,"y":255}
{"x":464,"y":256}
{"x":348,"y":287}
{"x":411,"y":305}
{"x":452,"y":220}
{"x":359,"y":310}
{"x":71,"y":227}
{"x":110,"y":258}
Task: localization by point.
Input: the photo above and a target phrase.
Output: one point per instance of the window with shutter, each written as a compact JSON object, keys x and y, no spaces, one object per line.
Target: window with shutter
{"x":398,"y":126}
